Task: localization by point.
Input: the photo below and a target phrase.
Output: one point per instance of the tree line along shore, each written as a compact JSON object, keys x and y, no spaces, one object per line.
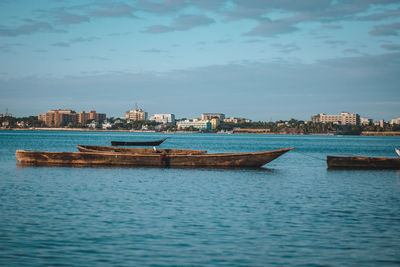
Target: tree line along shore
{"x":293,"y":126}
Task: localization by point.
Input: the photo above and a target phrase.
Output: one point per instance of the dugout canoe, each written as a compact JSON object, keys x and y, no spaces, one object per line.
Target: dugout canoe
{"x":138,"y":143}
{"x":84,"y":148}
{"x":358,"y":162}
{"x":246,"y":160}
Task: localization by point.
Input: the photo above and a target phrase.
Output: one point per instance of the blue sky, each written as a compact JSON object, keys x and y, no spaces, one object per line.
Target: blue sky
{"x":259,"y":59}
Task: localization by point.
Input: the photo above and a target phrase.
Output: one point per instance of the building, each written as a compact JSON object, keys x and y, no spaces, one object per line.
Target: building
{"x":83,"y":117}
{"x":58,"y":117}
{"x":163,"y":118}
{"x":237,"y":120}
{"x":195,"y":123}
{"x":5,"y":114}
{"x":380,"y":123}
{"x":136,"y":114}
{"x":395,"y":121}
{"x":343,"y":118}
{"x":209,"y":116}
{"x":365,"y":121}
{"x":214,"y":123}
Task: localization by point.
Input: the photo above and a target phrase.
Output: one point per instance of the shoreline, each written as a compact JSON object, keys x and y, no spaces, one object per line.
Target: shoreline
{"x":173,"y":132}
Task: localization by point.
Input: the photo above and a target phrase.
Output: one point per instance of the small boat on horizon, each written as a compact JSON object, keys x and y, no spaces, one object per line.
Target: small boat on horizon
{"x":138,"y":143}
{"x":225,"y":160}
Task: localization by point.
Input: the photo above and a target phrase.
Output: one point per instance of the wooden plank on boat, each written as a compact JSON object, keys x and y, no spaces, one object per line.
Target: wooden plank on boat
{"x":85,"y":148}
{"x":250,"y":160}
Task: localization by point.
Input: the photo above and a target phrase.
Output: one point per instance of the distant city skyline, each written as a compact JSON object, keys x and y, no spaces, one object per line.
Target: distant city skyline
{"x":262,"y":60}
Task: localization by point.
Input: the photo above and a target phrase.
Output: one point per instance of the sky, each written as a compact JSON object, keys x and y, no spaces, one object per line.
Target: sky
{"x":258,"y":59}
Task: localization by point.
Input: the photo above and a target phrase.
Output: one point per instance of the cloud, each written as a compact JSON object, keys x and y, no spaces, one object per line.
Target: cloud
{"x":181,"y":23}
{"x":64,"y":17}
{"x":386,"y":29}
{"x":285,"y":87}
{"x":334,"y":43}
{"x":269,"y":28}
{"x":391,"y":47}
{"x":114,"y":10}
{"x":84,"y":39}
{"x":76,"y":40}
{"x":332,"y":27}
{"x":286,"y":48}
{"x":8,"y":47}
{"x":158,"y":29}
{"x":154,"y":51}
{"x":27,"y":29}
{"x":164,"y":7}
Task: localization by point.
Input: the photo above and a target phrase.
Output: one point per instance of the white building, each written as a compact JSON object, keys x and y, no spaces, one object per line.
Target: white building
{"x":395,"y":121}
{"x":136,"y":114}
{"x":198,"y":124}
{"x":163,"y":118}
{"x":365,"y":121}
{"x":343,"y":118}
{"x":106,"y":125}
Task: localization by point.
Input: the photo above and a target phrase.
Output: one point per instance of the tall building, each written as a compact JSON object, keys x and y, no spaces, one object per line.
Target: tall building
{"x":343,"y":118}
{"x":195,"y":123}
{"x":163,"y":118}
{"x":61,"y":117}
{"x":136,"y":114}
{"x":58,"y":117}
{"x":209,"y":116}
{"x":83,"y":117}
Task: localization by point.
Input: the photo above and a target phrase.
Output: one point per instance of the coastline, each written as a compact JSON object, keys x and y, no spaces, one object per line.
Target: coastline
{"x":173,"y":132}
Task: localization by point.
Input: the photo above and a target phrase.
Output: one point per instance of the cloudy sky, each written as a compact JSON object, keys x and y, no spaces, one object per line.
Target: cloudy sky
{"x":259,"y":59}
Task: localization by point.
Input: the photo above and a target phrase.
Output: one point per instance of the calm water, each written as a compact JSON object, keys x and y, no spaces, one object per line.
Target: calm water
{"x":293,"y":212}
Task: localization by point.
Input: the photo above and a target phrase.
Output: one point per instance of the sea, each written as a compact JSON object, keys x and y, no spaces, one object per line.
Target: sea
{"x":291,"y":212}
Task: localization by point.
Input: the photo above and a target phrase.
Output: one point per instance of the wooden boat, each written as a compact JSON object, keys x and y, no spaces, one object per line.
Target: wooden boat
{"x":83,"y":148}
{"x":255,"y":159}
{"x":356,"y":162}
{"x":138,"y":143}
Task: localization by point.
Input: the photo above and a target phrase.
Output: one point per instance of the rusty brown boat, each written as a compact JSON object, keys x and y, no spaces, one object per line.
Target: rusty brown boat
{"x":246,"y":160}
{"x":126,"y":150}
{"x":358,"y":162}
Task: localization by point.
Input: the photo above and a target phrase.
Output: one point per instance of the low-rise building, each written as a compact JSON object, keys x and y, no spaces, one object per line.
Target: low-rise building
{"x":343,"y":118}
{"x":237,"y":120}
{"x":195,"y":123}
{"x":365,"y":121}
{"x":395,"y":121}
{"x":163,"y":118}
{"x":209,"y":116}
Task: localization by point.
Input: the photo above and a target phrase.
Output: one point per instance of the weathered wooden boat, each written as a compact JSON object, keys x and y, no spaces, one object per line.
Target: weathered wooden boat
{"x":357,"y":162}
{"x":249,"y":160}
{"x":138,"y":143}
{"x":83,"y":148}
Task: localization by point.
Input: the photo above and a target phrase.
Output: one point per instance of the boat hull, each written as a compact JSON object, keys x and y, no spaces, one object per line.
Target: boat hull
{"x":138,"y":143}
{"x":362,"y":163}
{"x":248,"y":160}
{"x":105,"y":149}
